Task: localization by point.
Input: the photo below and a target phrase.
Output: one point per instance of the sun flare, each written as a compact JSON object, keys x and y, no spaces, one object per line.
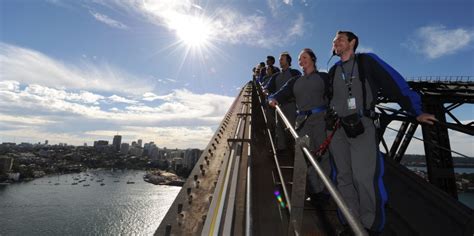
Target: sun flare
{"x":194,"y":31}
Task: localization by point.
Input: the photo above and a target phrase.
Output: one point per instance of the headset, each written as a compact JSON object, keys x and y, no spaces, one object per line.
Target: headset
{"x":311,"y":54}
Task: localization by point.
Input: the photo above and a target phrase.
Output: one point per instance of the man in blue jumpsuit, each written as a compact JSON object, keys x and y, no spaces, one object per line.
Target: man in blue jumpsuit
{"x":354,"y":82}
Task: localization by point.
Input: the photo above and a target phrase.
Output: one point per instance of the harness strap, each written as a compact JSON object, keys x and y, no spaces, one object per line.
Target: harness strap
{"x":324,"y":146}
{"x":312,"y":111}
{"x":307,"y":114}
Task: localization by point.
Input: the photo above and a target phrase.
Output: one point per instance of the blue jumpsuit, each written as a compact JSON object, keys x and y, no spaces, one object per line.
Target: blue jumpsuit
{"x":358,"y":163}
{"x":308,"y":92}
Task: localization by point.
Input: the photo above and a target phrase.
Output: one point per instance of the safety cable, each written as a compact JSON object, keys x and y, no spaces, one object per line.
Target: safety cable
{"x":436,"y":145}
{"x":447,"y":125}
{"x":407,"y":114}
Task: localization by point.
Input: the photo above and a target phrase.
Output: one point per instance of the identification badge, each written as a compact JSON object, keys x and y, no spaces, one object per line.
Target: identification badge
{"x":351,"y":103}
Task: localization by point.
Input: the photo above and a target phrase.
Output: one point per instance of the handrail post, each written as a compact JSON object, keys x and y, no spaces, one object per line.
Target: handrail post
{"x":299,"y":187}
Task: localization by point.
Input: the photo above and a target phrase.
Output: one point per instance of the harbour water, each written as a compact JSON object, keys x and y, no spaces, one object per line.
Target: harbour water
{"x":103,"y":204}
{"x":467,"y":198}
{"x":458,"y":170}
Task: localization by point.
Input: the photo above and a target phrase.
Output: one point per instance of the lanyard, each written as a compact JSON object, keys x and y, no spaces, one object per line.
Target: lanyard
{"x":348,"y":84}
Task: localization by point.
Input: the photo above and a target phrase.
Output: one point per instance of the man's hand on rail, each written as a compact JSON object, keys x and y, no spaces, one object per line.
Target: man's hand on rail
{"x":426,"y":118}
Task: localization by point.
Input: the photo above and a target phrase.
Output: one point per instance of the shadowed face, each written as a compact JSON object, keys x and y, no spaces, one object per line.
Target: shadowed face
{"x":306,"y":62}
{"x":341,"y":44}
{"x":284,"y":62}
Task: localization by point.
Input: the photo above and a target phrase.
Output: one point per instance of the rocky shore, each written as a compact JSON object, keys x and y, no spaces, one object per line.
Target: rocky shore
{"x":159,"y":177}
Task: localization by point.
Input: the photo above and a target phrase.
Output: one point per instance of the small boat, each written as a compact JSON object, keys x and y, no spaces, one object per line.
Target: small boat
{"x":86,"y":185}
{"x":102,"y":184}
{"x":130,"y":182}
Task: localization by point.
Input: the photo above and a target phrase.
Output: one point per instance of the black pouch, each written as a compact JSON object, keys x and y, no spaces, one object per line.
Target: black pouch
{"x":352,"y":125}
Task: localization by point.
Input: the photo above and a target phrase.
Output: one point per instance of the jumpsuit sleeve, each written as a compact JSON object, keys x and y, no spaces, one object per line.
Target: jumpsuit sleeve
{"x":393,"y":86}
{"x":271,"y":85}
{"x":286,"y":92}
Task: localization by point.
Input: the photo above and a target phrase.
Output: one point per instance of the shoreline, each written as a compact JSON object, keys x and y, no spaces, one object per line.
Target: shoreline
{"x":170,"y":179}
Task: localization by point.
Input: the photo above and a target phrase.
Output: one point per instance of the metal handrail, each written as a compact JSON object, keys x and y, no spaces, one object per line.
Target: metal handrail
{"x":441,"y":78}
{"x":355,"y":225}
{"x":280,"y":174}
{"x":248,"y":202}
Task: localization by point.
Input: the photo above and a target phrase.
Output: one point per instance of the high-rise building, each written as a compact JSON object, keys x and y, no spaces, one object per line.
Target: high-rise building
{"x":140,"y":143}
{"x":124,"y":148}
{"x":116,"y":143}
{"x":136,"y":151}
{"x":191,"y":156}
{"x":101,"y":143}
{"x":46,"y":142}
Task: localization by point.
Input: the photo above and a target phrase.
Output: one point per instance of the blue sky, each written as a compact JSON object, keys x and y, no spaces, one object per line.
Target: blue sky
{"x":78,"y":71}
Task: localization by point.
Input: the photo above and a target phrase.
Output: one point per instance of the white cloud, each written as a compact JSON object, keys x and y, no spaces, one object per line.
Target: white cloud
{"x":461,"y":142}
{"x":227,"y":24}
{"x":108,"y":21}
{"x":51,"y":93}
{"x":35,"y":134}
{"x":27,"y":66}
{"x":9,"y":85}
{"x":27,"y":120}
{"x":150,"y":96}
{"x":273,"y":5}
{"x":236,"y":28}
{"x":253,"y":30}
{"x":35,"y":112}
{"x":278,"y":7}
{"x":180,"y":104}
{"x":166,"y":81}
{"x":437,"y":41}
{"x":183,"y":103}
{"x":364,"y":49}
{"x":297,"y":28}
{"x":115,"y":98}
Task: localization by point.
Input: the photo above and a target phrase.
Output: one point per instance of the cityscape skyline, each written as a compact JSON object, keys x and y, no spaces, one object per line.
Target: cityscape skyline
{"x":138,"y":142}
{"x":74,"y":71}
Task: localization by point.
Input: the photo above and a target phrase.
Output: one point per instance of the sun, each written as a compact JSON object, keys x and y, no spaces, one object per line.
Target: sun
{"x":195,"y":35}
{"x":194,"y":31}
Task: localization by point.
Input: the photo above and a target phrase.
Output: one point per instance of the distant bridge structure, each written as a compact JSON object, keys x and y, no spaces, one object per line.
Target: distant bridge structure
{"x":240,"y":186}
